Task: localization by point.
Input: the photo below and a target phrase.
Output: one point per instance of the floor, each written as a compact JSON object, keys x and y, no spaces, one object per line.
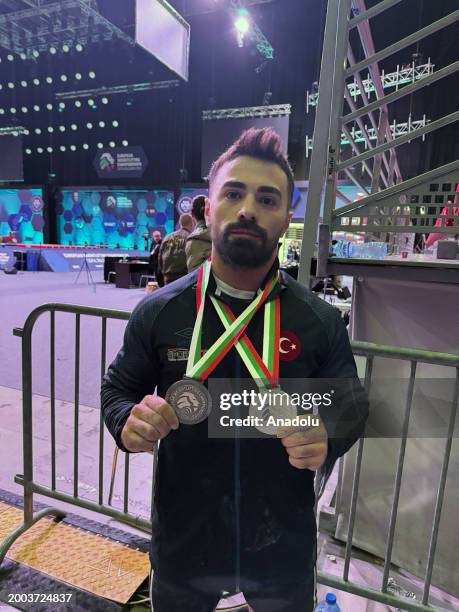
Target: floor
{"x":28,"y":290}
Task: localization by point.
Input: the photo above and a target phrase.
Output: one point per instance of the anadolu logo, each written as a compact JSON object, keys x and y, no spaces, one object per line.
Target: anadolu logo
{"x":107,"y":162}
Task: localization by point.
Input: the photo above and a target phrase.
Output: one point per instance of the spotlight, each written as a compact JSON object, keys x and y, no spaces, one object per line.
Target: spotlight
{"x":65,"y":48}
{"x":36,"y":108}
{"x":53,"y":50}
{"x":49,"y":149}
{"x":50,"y":129}
{"x":2,"y":111}
{"x":63,"y":77}
{"x":92,"y":74}
{"x":23,"y":56}
{"x":11,"y":85}
{"x":111,"y":144}
{"x":100,"y":145}
{"x":35,"y":53}
{"x":89,"y":125}
{"x":77,"y":103}
{"x":62,"y":105}
{"x":10,"y":57}
{"x":115,"y":123}
{"x":74,"y":126}
{"x":26,"y":133}
{"x":62,"y":148}
{"x":1,"y":86}
{"x":28,"y":151}
{"x":102,"y":124}
{"x":85,"y":146}
{"x":37,"y":131}
{"x":12,"y":110}
{"x":79,"y":47}
{"x":36,"y":81}
{"x":49,"y":80}
{"x":90,"y":102}
{"x":125,"y":143}
{"x":62,"y":128}
{"x":39,"y":150}
{"x":24,"y":109}
{"x":104,"y":100}
{"x":24,"y":83}
{"x":73,"y":147}
{"x":78,"y":76}
{"x":242,"y":22}
{"x":49,"y":106}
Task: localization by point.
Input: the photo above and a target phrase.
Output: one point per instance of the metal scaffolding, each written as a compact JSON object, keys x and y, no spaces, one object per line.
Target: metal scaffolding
{"x":343,"y":101}
{"x":274,"y":110}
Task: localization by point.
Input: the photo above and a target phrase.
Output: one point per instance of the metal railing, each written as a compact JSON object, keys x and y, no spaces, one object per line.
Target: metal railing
{"x":361,"y":349}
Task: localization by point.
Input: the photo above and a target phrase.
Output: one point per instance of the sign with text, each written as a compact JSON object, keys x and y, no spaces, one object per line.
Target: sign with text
{"x":121,"y":162}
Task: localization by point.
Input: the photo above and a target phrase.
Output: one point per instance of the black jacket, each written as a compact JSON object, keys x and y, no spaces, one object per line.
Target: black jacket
{"x":225,"y":503}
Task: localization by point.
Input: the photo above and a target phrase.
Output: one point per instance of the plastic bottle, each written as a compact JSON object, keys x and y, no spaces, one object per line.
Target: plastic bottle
{"x":328,"y":604}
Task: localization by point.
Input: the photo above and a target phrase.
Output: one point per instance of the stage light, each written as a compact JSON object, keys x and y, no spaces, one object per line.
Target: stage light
{"x":11,"y":85}
{"x":36,"y":81}
{"x":62,"y":128}
{"x":23,"y":56}
{"x":112,"y":144}
{"x":50,"y":129}
{"x":115,"y":123}
{"x":63,"y":77}
{"x":49,"y":106}
{"x":24,"y":109}
{"x":2,"y":111}
{"x":104,"y":100}
{"x":24,"y":83}
{"x":102,"y":124}
{"x":92,"y":74}
{"x":28,"y":151}
{"x":242,"y":22}
{"x":1,"y":86}
{"x":62,"y":105}
{"x":49,"y":149}
{"x":12,"y":110}
{"x":26,"y":133}
{"x":79,"y":47}
{"x":72,"y":147}
{"x":125,"y":143}
{"x":35,"y":53}
{"x":74,"y":126}
{"x":89,"y":125}
{"x":37,"y":131}
{"x":36,"y":108}
{"x":78,"y":76}
{"x":10,"y":57}
{"x":39,"y":150}
{"x":65,"y":48}
{"x":53,"y":50}
{"x":100,"y":145}
{"x":62,"y":148}
{"x":85,"y":146}
{"x":77,"y":103}
{"x":90,"y":102}
{"x":49,"y":80}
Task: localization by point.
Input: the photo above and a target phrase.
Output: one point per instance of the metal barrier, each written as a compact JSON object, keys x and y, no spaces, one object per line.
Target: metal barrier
{"x":363,"y":349}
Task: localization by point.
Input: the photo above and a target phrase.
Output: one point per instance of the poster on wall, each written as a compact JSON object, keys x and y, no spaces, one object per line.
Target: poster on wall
{"x":113,"y":218}
{"x":121,"y":162}
{"x":21,"y":215}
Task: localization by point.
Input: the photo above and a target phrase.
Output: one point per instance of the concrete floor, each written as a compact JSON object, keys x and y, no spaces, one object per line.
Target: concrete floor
{"x":330,"y":553}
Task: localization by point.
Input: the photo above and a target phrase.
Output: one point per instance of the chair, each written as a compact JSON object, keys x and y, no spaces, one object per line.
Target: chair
{"x":148,"y":277}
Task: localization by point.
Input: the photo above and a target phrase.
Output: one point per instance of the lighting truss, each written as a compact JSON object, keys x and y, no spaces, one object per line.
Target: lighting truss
{"x":255,"y":34}
{"x":397,"y":129}
{"x":402,"y":76}
{"x":274,"y":110}
{"x":15,"y":130}
{"x":116,"y":89}
{"x":35,"y":25}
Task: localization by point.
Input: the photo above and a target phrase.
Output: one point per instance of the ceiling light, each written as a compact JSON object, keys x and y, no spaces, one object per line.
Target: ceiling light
{"x":11,"y":85}
{"x":36,"y":108}
{"x":61,"y":104}
{"x":49,"y":149}
{"x":102,"y":124}
{"x":49,"y":80}
{"x":79,"y":47}
{"x":12,"y":110}
{"x":28,"y":151}
{"x":74,"y":126}
{"x":24,"y":83}
{"x":63,"y":77}
{"x":10,"y":57}
{"x":53,"y":50}
{"x":89,"y":125}
{"x":62,"y":147}
{"x":100,"y":145}
{"x":35,"y":53}
{"x":49,"y":106}
{"x":115,"y":123}
{"x":65,"y":48}
{"x":50,"y":129}
{"x":104,"y":100}
{"x":36,"y":81}
{"x":24,"y":109}
{"x":92,"y":74}
{"x":72,"y":147}
{"x":125,"y":143}
{"x":77,"y":103}
{"x":111,"y":144}
{"x":85,"y":146}
{"x":37,"y":131}
{"x":39,"y":150}
{"x":78,"y":76}
{"x":62,"y":128}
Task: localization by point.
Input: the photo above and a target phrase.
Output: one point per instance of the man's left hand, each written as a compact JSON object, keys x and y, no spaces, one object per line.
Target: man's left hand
{"x":306,"y":448}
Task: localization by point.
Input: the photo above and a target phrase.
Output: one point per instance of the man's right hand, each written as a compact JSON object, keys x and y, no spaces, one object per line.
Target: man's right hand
{"x":148,"y":422}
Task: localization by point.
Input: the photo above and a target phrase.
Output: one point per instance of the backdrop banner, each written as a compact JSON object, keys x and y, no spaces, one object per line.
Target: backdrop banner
{"x":121,"y":162}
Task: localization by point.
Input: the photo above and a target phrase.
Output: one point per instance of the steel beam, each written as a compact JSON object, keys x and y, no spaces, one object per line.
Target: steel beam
{"x":372,"y":12}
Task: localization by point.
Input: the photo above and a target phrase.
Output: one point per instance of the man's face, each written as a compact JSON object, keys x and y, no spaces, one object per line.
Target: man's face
{"x":157,"y":236}
{"x":247,"y":211}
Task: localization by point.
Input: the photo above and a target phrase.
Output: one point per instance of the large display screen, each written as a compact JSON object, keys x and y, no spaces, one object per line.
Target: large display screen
{"x":115,"y":218}
{"x":21,"y":214}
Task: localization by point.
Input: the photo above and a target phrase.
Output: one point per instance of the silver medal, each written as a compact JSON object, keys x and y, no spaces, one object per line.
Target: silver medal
{"x":276,"y":404}
{"x":191,"y":401}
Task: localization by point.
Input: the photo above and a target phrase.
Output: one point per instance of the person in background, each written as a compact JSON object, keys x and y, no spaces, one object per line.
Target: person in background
{"x":172,"y":258}
{"x":154,"y":255}
{"x":198,"y":244}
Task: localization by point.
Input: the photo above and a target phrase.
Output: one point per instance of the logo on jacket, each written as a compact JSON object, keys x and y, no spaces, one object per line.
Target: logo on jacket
{"x":289,"y":346}
{"x":185,"y":333}
{"x":177,"y":354}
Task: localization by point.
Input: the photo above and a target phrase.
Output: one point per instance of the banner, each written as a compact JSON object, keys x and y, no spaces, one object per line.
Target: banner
{"x":121,"y":162}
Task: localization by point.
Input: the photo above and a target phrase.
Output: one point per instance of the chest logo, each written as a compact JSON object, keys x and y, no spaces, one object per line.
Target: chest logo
{"x":289,"y":346}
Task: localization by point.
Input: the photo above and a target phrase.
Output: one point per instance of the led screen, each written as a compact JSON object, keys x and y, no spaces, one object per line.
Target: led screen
{"x":21,"y":214}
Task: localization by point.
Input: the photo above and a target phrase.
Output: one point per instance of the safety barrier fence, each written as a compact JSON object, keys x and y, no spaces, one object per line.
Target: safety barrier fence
{"x":365,"y":350}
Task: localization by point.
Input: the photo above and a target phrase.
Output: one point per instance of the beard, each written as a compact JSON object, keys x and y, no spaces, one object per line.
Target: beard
{"x":245,"y":252}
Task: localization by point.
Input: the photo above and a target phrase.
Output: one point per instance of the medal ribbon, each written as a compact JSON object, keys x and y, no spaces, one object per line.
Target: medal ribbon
{"x":199,"y":367}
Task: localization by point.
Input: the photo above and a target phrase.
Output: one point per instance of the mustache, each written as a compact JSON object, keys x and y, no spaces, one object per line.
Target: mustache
{"x":249,"y":226}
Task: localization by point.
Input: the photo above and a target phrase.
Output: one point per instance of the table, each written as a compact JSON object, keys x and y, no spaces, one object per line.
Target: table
{"x":128,"y":273}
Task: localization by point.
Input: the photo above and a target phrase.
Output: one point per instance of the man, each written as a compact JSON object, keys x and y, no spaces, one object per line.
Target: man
{"x":198,"y":244}
{"x":234,"y":514}
{"x":172,"y":258}
{"x":153,"y":266}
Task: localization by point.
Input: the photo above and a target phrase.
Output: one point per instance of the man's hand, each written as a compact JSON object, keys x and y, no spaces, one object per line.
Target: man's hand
{"x":306,"y":448}
{"x":148,"y":422}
